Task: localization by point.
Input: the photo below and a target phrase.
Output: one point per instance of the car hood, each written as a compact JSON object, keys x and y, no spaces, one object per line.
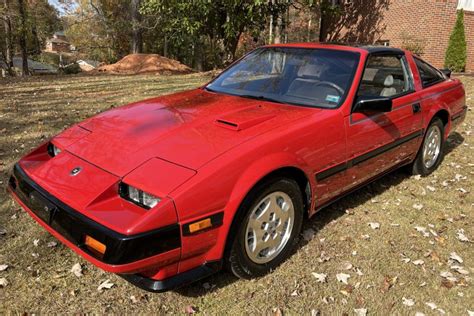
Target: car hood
{"x":189,"y":129}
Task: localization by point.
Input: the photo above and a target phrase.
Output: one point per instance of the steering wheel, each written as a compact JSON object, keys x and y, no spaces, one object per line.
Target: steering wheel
{"x":332,"y":85}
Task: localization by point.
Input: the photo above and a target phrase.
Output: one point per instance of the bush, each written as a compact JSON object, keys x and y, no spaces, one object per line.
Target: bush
{"x":72,"y":69}
{"x":456,"y":53}
{"x":413,"y":44}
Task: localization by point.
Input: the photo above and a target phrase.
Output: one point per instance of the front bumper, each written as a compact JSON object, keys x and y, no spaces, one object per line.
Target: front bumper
{"x":123,"y":254}
{"x":126,"y":255}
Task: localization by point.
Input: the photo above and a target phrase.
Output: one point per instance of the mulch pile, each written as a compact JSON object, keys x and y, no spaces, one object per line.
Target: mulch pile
{"x":145,"y":63}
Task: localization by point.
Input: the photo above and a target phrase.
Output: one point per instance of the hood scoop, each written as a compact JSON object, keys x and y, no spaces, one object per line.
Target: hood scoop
{"x":245,"y":118}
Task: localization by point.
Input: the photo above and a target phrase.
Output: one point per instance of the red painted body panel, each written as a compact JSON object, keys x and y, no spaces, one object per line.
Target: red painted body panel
{"x":202,"y":152}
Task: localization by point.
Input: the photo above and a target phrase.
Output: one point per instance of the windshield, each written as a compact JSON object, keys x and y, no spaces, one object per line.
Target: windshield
{"x":310,"y":77}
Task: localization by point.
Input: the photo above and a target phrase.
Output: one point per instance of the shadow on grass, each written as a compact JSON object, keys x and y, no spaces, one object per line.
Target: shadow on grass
{"x":323,"y":217}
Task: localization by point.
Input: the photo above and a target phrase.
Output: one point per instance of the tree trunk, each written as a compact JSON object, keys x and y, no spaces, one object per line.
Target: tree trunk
{"x":165,"y":47}
{"x":137,"y":40}
{"x":7,"y":25}
{"x":23,"y":48}
{"x":36,"y":42}
{"x":197,"y":55}
{"x":270,"y":27}
{"x":278,"y":28}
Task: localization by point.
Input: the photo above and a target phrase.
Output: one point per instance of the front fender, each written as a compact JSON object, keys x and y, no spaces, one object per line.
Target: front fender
{"x":261,"y":168}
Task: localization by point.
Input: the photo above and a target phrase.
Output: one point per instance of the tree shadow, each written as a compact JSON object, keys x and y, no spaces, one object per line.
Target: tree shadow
{"x":360,"y":21}
{"x":323,"y":217}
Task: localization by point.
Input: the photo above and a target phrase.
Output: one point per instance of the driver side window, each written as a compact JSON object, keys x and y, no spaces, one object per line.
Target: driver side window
{"x":385,"y":76}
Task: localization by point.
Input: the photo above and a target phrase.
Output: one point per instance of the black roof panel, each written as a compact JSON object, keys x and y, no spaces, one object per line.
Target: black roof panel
{"x":374,"y":49}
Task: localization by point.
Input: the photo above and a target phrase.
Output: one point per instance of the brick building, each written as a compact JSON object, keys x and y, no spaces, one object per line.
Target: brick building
{"x":58,"y":43}
{"x":423,"y":26}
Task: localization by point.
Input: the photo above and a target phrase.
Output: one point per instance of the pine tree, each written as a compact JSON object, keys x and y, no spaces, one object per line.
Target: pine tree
{"x":456,"y":53}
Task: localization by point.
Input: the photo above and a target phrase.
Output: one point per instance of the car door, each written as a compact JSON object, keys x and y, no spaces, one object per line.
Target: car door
{"x":380,"y":141}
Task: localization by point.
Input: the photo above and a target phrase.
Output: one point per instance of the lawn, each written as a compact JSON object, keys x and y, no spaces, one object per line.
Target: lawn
{"x":394,"y":238}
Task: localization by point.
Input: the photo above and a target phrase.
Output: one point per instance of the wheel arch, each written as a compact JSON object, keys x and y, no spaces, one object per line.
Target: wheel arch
{"x":285,"y":165}
{"x":443,"y":114}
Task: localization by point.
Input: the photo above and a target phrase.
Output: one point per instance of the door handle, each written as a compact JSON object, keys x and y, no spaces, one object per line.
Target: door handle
{"x":416,"y":107}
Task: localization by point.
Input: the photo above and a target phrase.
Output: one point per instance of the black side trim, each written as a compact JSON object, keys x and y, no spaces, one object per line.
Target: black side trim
{"x":359,"y":159}
{"x":385,"y":148}
{"x":176,"y":281}
{"x":216,"y":221}
{"x":73,"y":226}
{"x":357,"y":187}
{"x":460,"y":114}
{"x":331,"y":171}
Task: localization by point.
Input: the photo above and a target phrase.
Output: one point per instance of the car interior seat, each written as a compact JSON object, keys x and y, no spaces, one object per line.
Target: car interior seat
{"x":389,"y":88}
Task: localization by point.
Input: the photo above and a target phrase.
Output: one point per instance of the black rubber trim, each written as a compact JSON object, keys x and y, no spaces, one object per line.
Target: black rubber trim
{"x":363,"y":184}
{"x":176,"y":281}
{"x":460,"y":114}
{"x":216,"y":221}
{"x":73,"y":226}
{"x":331,"y":171}
{"x":371,"y":154}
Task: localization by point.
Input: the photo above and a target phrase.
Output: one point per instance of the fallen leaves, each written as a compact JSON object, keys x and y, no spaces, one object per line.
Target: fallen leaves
{"x":190,"y":310}
{"x":388,"y":283}
{"x":51,"y":244}
{"x":105,"y":285}
{"x":320,"y":277}
{"x":3,"y":282}
{"x":360,"y":311}
{"x":408,"y":301}
{"x":460,"y":235}
{"x":3,"y":267}
{"x":454,"y":256}
{"x":342,"y":277}
{"x":418,"y":262}
{"x":418,"y":206}
{"x":459,"y":269}
{"x":374,"y":225}
{"x":77,"y":270}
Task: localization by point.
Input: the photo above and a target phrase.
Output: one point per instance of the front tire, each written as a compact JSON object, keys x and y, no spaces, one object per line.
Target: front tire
{"x":431,"y":152}
{"x":268,"y":225}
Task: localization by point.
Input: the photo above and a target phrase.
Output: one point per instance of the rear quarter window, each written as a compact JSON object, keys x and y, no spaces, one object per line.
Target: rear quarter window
{"x":429,"y":75}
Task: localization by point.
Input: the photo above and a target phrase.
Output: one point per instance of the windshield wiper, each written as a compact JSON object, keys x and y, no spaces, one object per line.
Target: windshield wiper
{"x":258,"y":97}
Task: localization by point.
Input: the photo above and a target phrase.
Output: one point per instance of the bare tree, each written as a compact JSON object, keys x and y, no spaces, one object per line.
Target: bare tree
{"x":137,"y":39}
{"x":7,"y":24}
{"x":23,"y":48}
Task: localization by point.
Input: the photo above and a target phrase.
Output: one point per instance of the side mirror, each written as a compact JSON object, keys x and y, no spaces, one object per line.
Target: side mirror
{"x":371,"y":105}
{"x":446,"y":72}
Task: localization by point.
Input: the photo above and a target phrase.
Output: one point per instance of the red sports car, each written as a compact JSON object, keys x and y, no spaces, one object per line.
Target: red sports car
{"x":169,"y":190}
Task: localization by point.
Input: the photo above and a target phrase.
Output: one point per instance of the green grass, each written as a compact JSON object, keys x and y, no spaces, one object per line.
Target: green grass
{"x":40,"y":280}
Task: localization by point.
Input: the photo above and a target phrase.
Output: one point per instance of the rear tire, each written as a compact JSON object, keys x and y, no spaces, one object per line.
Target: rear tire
{"x":267,"y":228}
{"x":431,"y":152}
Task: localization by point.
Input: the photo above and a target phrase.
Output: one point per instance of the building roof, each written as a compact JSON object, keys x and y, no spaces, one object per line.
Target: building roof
{"x":33,"y":66}
{"x":57,"y":41}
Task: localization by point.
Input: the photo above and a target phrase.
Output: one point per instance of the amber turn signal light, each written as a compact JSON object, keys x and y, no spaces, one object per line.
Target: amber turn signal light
{"x":203,"y":224}
{"x":95,"y":245}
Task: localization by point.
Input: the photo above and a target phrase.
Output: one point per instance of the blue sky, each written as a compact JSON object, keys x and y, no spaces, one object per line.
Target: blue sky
{"x":56,"y":4}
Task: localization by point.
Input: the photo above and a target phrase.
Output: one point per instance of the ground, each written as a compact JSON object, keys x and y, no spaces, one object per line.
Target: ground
{"x":369,"y":235}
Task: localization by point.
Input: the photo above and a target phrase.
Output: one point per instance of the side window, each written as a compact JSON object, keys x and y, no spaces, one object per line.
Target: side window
{"x":385,"y":76}
{"x":429,"y":75}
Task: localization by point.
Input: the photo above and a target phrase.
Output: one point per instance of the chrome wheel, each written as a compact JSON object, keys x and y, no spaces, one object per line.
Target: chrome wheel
{"x":269,"y":227}
{"x":432,"y":146}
